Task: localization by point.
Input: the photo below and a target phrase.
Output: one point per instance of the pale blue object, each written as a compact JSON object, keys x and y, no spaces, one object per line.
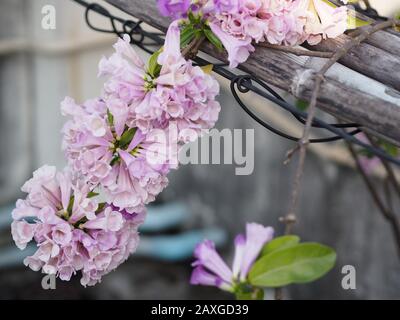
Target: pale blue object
{"x":11,"y":256}
{"x":5,"y":216}
{"x":165,"y":216}
{"x":178,"y":247}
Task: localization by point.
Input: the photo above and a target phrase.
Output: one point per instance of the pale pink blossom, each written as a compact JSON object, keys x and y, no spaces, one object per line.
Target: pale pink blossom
{"x":238,"y":49}
{"x":283,"y":22}
{"x":22,"y":233}
{"x":324,"y":21}
{"x":72,"y":233}
{"x":180,"y":92}
{"x":117,"y":161}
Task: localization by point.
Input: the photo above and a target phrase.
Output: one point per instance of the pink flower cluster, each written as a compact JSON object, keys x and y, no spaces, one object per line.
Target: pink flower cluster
{"x":181,"y":93}
{"x":282,"y":22}
{"x":113,"y":156}
{"x":72,"y":231}
{"x":239,"y":23}
{"x":122,"y":146}
{"x":110,"y":142}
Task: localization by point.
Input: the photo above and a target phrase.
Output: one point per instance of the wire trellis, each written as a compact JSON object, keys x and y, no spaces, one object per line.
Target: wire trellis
{"x":240,"y":84}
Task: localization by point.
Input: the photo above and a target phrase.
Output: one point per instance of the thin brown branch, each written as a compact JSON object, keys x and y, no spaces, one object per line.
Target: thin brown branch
{"x":303,"y":142}
{"x":291,"y":218}
{"x":296,"y":51}
{"x":389,"y":170}
{"x":388,"y":194}
{"x":387,"y":212}
{"x":191,"y":50}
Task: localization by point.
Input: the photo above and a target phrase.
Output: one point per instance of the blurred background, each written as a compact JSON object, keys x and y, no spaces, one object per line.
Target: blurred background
{"x":38,"y":68}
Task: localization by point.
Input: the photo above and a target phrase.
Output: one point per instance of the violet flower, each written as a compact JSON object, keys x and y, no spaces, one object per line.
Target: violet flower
{"x":211,"y":270}
{"x":174,"y":8}
{"x":226,"y":6}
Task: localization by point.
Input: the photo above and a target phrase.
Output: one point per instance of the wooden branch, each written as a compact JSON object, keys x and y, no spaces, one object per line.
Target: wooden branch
{"x":296,"y":51}
{"x":371,"y":61}
{"x":379,"y":113}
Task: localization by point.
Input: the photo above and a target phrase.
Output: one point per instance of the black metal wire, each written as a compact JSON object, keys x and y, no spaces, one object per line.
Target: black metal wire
{"x":241,"y":83}
{"x":244,"y":85}
{"x":369,"y":12}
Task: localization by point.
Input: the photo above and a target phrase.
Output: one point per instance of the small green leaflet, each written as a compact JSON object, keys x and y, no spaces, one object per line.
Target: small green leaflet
{"x":388,"y":147}
{"x":70,"y":205}
{"x":92,"y":194}
{"x":127,"y":137}
{"x":187,"y":35}
{"x":110,"y":118}
{"x":114,"y":160}
{"x":100,"y":207}
{"x":391,"y":149}
{"x":154,"y":68}
{"x":213,"y":39}
{"x":302,"y":104}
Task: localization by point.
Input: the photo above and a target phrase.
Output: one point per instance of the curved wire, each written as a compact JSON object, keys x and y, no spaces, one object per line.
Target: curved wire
{"x":239,"y":82}
{"x":369,"y":12}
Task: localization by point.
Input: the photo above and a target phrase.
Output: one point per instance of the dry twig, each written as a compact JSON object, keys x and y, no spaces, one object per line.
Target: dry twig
{"x":319,"y":78}
{"x":386,"y":210}
{"x":290,"y":218}
{"x":389,"y":170}
{"x":191,"y":50}
{"x":297,"y":51}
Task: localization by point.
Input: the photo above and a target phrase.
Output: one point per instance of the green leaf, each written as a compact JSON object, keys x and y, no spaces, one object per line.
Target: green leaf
{"x":127,"y":137}
{"x":92,"y":194}
{"x":365,"y":153}
{"x":300,"y":263}
{"x":187,"y":35}
{"x":388,"y":147}
{"x":114,"y":160}
{"x":192,"y":17}
{"x":110,"y":118}
{"x":280,"y":243}
{"x":70,"y":205}
{"x":302,"y":104}
{"x":100,"y":207}
{"x":213,"y":39}
{"x":154,"y":68}
{"x":391,"y":149}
